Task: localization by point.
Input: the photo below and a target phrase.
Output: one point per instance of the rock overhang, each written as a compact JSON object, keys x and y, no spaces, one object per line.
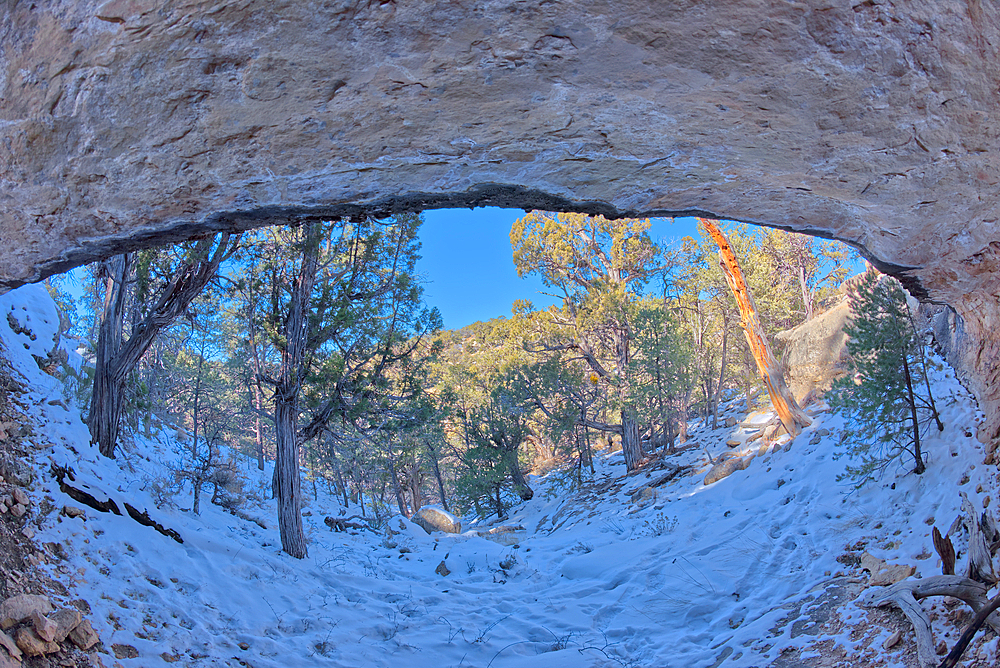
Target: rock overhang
{"x":133,"y":122}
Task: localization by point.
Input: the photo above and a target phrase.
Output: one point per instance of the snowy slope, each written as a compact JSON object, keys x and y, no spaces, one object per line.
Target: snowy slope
{"x":742,"y":572}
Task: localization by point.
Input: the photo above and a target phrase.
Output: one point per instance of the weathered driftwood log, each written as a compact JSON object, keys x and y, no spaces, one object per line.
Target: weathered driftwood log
{"x":904,"y":595}
{"x":946,"y":550}
{"x":980,"y":562}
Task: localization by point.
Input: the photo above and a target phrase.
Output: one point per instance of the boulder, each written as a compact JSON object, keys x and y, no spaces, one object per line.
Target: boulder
{"x":20,"y":496}
{"x":884,"y":573}
{"x":815,"y":352}
{"x":73,"y":511}
{"x":730,"y":421}
{"x":84,"y":636}
{"x":18,"y":608}
{"x":44,"y":627}
{"x":32,"y":645}
{"x":431,"y":518}
{"x":65,"y":621}
{"x":726,"y":468}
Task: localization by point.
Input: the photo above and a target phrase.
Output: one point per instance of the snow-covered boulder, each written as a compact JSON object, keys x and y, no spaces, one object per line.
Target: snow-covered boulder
{"x":432,"y":518}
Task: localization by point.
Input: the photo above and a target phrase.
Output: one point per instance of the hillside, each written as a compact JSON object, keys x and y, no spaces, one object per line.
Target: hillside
{"x":761,"y":568}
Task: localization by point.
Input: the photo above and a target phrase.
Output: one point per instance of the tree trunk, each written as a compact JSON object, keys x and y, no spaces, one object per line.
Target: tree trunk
{"x":807,"y":301}
{"x":520,"y":484}
{"x":919,"y":468}
{"x":106,"y":400}
{"x":396,"y":487}
{"x":437,"y":475}
{"x":722,"y":371}
{"x":631,"y":441}
{"x":196,"y":414}
{"x":286,"y":476}
{"x":295,"y":331}
{"x":788,"y":410}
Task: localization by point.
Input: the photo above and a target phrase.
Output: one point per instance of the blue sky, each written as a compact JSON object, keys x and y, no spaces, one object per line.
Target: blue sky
{"x":468,"y":266}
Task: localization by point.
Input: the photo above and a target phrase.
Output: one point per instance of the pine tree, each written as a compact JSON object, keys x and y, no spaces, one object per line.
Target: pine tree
{"x":887,"y":396}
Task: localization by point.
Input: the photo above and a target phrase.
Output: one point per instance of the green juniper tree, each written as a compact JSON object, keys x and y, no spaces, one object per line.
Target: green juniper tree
{"x":887,"y":396}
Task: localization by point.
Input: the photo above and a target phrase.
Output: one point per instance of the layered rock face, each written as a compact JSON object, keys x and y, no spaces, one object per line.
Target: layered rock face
{"x":133,"y":122}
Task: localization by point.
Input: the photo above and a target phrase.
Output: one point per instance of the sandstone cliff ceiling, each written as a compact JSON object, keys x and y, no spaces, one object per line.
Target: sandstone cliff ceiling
{"x":134,"y":122}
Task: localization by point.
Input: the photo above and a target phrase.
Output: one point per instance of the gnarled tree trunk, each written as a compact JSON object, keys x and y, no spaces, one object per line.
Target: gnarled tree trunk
{"x":106,"y":400}
{"x":117,"y":358}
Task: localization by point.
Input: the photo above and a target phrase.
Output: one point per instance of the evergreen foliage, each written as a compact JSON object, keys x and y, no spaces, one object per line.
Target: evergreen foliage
{"x":886,"y":397}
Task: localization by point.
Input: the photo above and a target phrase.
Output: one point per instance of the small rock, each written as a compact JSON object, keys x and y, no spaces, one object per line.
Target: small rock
{"x":44,"y":627}
{"x":7,"y":500}
{"x":28,"y":532}
{"x":815,"y":440}
{"x":65,"y":621}
{"x":20,"y":496}
{"x":10,"y":645}
{"x":29,"y":642}
{"x":644,"y":495}
{"x":892,"y":640}
{"x":18,"y":608}
{"x":442,"y":569}
{"x":243,"y":645}
{"x":823,"y":432}
{"x":3,"y":508}
{"x":883,"y":573}
{"x":733,"y":443}
{"x":84,"y":636}
{"x":73,"y":511}
{"x":942,"y":648}
{"x":125,"y":651}
{"x":730,"y":422}
{"x":18,"y":510}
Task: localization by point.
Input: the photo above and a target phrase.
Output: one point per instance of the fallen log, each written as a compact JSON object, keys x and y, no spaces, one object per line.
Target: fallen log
{"x":145,"y":520}
{"x":60,"y":473}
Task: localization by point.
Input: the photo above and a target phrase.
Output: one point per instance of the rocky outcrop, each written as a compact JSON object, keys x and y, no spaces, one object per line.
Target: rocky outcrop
{"x":815,"y":353}
{"x":125,"y":123}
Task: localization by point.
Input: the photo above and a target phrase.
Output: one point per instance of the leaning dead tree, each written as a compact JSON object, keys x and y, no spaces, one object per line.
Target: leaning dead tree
{"x":791,"y":416}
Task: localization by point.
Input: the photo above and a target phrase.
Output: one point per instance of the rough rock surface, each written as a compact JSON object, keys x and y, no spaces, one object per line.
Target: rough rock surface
{"x":84,"y":636}
{"x":125,"y":123}
{"x":431,"y":519}
{"x":18,"y":608}
{"x":815,"y":352}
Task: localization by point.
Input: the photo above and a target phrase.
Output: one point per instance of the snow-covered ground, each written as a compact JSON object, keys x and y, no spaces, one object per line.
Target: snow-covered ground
{"x":743,"y":572}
